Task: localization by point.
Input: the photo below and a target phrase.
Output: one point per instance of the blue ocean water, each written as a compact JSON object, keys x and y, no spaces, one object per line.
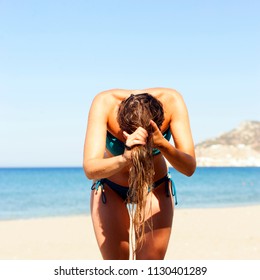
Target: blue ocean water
{"x":43,"y":192}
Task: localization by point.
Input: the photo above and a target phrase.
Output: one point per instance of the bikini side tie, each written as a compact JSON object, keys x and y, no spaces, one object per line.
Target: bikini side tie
{"x":173,"y":189}
{"x":96,"y":185}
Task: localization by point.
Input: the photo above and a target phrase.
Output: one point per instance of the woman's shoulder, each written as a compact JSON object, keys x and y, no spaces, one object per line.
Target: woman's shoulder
{"x":168,"y":96}
{"x":106,"y":102}
{"x":169,"y":92}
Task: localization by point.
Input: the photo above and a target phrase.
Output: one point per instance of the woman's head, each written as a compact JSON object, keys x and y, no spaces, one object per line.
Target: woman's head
{"x":135,"y":111}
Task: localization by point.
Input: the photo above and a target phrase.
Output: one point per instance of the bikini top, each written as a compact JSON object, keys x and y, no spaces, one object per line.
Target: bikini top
{"x":117,"y":147}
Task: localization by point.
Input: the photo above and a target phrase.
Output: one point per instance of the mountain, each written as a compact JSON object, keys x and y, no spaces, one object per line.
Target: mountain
{"x":238,"y":147}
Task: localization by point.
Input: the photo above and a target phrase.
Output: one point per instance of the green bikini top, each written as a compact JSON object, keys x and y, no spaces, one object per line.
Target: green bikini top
{"x":117,"y":147}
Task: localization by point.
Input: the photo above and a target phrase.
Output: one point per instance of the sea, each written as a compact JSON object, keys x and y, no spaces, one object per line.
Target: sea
{"x":27,"y":193}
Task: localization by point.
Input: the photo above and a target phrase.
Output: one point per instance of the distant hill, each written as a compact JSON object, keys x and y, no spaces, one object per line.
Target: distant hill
{"x":238,"y":147}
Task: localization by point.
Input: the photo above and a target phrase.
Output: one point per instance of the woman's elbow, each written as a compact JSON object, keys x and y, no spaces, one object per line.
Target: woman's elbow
{"x":88,"y":170}
{"x":190,"y":171}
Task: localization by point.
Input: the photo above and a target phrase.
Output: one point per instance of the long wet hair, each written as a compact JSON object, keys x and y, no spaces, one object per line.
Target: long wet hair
{"x":135,"y":111}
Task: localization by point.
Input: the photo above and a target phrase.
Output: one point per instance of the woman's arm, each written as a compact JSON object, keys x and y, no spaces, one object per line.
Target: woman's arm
{"x":94,"y":163}
{"x":182,"y":156}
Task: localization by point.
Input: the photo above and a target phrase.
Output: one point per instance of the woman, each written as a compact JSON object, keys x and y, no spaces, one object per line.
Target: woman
{"x":126,"y":144}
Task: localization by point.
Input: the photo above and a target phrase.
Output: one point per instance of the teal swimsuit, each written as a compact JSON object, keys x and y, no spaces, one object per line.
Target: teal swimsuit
{"x":117,"y":147}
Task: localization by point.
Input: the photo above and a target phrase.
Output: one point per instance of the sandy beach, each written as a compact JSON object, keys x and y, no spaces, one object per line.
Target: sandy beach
{"x":210,"y":234}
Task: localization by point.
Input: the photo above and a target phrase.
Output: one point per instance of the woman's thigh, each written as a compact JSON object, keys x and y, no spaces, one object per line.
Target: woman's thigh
{"x":111,"y":224}
{"x":160,"y":209}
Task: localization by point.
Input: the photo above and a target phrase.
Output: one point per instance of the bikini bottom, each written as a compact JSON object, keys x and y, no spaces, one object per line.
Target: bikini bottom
{"x":123,"y":191}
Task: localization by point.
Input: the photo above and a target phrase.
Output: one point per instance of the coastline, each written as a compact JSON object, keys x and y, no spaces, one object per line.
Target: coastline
{"x":208,"y":233}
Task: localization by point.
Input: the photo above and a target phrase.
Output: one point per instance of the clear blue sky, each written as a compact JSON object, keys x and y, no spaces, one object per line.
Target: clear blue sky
{"x":56,"y":55}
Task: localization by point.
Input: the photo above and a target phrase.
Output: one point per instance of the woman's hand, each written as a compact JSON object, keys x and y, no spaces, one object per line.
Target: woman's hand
{"x":157,"y":135}
{"x":138,"y":137}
